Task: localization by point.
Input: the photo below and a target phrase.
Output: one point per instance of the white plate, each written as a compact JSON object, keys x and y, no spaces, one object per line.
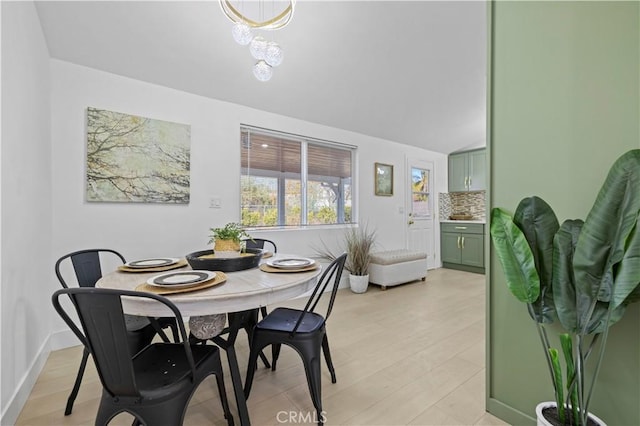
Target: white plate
{"x":152,"y":263}
{"x":181,"y":279}
{"x":290,"y":262}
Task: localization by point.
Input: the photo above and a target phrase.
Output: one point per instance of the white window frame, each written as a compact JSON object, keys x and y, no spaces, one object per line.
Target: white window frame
{"x":304,"y":178}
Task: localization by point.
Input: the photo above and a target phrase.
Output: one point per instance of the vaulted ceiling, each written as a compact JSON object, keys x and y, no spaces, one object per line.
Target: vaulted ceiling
{"x":411,"y":72}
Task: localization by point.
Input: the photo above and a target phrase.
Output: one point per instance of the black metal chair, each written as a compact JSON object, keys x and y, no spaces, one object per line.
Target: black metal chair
{"x":304,"y":330}
{"x":87,"y":267}
{"x":258,"y":243}
{"x":155,"y":384}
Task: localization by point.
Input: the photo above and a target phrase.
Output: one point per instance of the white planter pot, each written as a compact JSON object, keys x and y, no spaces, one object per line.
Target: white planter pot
{"x":359,"y":283}
{"x":542,"y":421}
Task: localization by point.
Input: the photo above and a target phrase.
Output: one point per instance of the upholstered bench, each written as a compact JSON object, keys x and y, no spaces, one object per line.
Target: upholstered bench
{"x":393,"y":267}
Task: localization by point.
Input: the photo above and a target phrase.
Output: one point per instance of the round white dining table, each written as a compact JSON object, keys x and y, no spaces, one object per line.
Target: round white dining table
{"x":241,"y":295}
{"x":247,"y":289}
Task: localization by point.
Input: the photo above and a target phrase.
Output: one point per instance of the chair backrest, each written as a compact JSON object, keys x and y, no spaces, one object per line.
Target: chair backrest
{"x":86,"y":265}
{"x":331,"y":275}
{"x":104,"y":333}
{"x":258,"y":243}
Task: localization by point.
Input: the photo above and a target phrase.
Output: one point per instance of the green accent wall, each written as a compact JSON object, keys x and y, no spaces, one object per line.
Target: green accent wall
{"x":564,"y":103}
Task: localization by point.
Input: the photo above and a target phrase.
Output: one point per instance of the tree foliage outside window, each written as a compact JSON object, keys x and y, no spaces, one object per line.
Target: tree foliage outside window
{"x":272,"y":181}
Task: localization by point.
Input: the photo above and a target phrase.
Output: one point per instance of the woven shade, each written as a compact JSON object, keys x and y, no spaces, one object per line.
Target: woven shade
{"x":284,"y":156}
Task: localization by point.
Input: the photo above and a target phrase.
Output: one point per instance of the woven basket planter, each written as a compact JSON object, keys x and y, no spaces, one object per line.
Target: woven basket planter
{"x":226,"y":245}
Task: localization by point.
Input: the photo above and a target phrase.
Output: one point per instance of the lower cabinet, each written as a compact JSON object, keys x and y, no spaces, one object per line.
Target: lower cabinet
{"x":462,"y":246}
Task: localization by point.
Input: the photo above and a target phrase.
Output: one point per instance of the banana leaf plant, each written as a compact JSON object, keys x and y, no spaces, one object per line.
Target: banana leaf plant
{"x":583,"y":273}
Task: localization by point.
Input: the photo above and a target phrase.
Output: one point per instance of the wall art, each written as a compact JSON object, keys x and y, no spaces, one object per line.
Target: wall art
{"x":136,"y":159}
{"x":384,"y":179}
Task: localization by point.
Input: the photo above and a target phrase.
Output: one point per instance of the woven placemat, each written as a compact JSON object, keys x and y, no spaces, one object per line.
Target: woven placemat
{"x":180,"y":264}
{"x":266,"y":268}
{"x":219,"y":279}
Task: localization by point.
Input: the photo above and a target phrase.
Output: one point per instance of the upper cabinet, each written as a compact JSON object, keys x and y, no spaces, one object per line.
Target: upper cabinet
{"x":467,"y":171}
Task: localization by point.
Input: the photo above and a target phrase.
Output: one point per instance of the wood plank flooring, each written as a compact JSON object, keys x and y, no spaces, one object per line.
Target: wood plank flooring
{"x":411,"y":355}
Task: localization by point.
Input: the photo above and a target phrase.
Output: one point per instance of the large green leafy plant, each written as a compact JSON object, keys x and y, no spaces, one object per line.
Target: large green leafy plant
{"x":584,"y":273}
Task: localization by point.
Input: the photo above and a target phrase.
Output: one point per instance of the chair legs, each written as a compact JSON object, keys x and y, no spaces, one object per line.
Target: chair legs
{"x":309,"y":351}
{"x":76,"y":385}
{"x":275,"y":353}
{"x":248,"y":328}
{"x":327,"y":357}
{"x":223,"y":398}
{"x":311,"y":361}
{"x":263,"y":311}
{"x":167,"y":412}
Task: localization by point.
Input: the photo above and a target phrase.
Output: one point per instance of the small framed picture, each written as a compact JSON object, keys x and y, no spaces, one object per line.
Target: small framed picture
{"x":384,"y":179}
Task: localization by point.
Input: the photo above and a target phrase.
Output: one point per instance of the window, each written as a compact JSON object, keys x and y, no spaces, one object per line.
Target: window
{"x":420,"y":203}
{"x":288,"y":180}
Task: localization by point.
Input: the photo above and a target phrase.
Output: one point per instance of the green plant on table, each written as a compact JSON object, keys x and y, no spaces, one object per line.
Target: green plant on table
{"x":582,"y":273}
{"x":231,"y":231}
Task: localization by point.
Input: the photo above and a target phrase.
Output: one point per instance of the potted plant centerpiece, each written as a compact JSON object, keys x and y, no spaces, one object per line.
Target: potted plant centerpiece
{"x":583,"y":273}
{"x":227,"y":239}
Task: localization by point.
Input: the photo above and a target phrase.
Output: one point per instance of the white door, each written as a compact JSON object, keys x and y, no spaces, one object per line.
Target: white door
{"x":419,"y":205}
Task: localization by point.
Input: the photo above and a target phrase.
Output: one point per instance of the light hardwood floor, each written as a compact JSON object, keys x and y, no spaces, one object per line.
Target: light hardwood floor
{"x":411,"y":355}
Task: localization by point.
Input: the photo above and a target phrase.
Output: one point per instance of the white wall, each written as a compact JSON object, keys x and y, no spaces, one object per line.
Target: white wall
{"x":26,"y":271}
{"x":141,"y":230}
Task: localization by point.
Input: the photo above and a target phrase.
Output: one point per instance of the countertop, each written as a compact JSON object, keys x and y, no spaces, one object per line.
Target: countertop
{"x":462,"y":221}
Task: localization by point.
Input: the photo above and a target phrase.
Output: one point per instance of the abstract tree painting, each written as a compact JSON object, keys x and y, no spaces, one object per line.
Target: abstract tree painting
{"x":136,"y":159}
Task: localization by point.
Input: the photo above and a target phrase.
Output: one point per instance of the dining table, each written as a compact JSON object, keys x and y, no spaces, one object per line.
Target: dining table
{"x":239,"y":294}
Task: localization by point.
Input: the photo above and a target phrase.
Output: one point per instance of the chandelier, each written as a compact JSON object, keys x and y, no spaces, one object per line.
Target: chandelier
{"x":250,"y":15}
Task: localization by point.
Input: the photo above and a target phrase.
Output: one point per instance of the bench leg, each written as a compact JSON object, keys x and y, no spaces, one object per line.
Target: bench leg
{"x":384,"y":287}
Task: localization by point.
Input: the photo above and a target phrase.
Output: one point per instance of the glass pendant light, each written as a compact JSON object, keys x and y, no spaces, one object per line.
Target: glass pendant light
{"x":274,"y":54}
{"x":251,"y":15}
{"x":262,"y":71}
{"x":258,"y":47}
{"x":242,"y":33}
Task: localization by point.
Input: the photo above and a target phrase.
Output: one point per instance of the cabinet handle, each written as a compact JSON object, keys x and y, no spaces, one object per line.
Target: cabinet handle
{"x":469,"y":182}
{"x":462,"y":242}
{"x":466,"y":182}
{"x":461,"y":227}
{"x":459,"y":241}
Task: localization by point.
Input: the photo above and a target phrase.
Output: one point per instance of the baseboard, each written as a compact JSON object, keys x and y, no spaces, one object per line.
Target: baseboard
{"x":466,"y":268}
{"x":508,"y":414}
{"x":59,"y":340}
{"x":21,"y":394}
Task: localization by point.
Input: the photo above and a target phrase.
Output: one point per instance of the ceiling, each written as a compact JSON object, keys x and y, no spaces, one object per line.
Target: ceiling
{"x":411,"y":72}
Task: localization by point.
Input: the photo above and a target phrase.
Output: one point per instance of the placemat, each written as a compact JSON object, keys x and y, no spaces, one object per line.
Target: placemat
{"x":180,"y":264}
{"x":219,"y":279}
{"x":266,"y":268}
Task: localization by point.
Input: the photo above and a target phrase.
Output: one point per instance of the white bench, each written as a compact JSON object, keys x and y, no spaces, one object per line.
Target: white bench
{"x":393,"y":267}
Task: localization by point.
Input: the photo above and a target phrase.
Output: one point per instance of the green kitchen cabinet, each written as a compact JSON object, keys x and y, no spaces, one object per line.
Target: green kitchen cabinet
{"x":468,"y":171}
{"x":462,"y":246}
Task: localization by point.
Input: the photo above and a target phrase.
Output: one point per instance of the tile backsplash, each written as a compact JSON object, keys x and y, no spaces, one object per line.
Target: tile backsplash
{"x":462,"y":202}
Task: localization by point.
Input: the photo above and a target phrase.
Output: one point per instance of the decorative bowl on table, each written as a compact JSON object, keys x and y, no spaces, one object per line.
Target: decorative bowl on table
{"x":207,"y":260}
